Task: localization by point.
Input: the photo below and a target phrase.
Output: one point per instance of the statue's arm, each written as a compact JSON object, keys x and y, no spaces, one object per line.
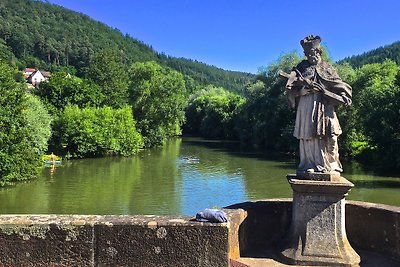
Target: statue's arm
{"x":337,"y":91}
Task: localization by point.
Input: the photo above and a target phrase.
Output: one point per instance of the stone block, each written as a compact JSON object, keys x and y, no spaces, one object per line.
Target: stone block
{"x":156,"y":241}
{"x":29,"y":243}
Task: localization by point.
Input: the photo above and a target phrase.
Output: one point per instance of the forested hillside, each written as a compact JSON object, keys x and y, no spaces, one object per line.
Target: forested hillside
{"x":50,"y":37}
{"x":204,"y":74}
{"x":378,"y":55}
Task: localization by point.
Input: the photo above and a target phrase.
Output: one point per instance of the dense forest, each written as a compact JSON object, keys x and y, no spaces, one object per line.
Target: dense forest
{"x":53,"y":38}
{"x":109,"y":94}
{"x":378,"y":55}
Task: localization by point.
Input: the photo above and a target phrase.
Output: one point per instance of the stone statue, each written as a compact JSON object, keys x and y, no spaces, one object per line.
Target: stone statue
{"x":315,"y":89}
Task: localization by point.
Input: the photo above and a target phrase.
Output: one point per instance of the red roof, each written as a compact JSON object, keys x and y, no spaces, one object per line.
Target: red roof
{"x":29,"y":70}
{"x":45,"y":73}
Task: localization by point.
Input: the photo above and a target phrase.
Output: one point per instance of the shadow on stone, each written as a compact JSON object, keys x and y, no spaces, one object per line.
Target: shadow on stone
{"x":372,"y":230}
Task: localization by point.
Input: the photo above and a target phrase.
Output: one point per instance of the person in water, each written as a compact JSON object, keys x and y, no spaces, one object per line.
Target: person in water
{"x":52,"y":158}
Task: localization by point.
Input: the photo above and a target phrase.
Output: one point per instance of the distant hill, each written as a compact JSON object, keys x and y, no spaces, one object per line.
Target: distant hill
{"x":206,"y":74}
{"x":44,"y":35}
{"x":375,"y":56}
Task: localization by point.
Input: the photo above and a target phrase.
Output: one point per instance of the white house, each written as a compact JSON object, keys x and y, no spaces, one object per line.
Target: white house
{"x":35,"y":77}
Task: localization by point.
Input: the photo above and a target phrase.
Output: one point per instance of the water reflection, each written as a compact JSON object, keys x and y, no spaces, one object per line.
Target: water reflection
{"x":183,"y":177}
{"x":371,"y":187}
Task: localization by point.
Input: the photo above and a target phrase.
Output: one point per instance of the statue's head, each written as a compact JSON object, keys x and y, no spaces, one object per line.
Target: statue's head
{"x":312,"y":48}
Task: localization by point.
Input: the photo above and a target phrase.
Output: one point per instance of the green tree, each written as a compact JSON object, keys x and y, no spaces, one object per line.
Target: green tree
{"x":39,"y":124}
{"x":91,"y":132}
{"x":158,"y":97}
{"x":376,"y":103}
{"x":266,"y":121}
{"x":351,"y":141}
{"x":212,"y":112}
{"x":346,"y":72}
{"x":109,"y":73}
{"x":18,"y":157}
{"x":5,"y":53}
{"x":62,"y":89}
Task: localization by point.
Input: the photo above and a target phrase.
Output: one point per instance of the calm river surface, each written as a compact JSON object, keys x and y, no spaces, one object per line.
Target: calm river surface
{"x":167,"y":181}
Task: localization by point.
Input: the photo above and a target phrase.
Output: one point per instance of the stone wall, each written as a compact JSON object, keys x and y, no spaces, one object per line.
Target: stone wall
{"x":142,"y":241}
{"x":91,"y":240}
{"x":374,"y":227}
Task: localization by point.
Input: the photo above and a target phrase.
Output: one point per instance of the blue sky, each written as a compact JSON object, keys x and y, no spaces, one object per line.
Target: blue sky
{"x":246,"y":34}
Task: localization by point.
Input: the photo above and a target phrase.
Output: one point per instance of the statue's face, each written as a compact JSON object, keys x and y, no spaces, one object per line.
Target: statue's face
{"x":313,"y":56}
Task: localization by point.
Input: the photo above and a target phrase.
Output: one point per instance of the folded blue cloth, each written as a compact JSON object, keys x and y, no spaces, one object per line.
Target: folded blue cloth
{"x":211,"y":215}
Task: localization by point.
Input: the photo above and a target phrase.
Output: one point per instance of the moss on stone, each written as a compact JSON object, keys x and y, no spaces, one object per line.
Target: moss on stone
{"x":25,"y":232}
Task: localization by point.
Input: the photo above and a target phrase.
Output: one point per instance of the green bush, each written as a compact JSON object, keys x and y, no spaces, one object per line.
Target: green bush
{"x":91,"y":132}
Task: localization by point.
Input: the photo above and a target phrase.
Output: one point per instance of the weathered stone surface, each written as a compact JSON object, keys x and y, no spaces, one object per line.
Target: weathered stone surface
{"x":317,"y":235}
{"x":318,"y":176}
{"x":336,"y":189}
{"x":145,"y":241}
{"x":159,"y":242}
{"x":266,"y":221}
{"x":33,"y":241}
{"x":374,"y":227}
{"x":236,"y":218}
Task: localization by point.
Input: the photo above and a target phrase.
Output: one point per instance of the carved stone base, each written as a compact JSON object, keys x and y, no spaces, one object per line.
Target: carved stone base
{"x":317,"y":235}
{"x":319,"y":176}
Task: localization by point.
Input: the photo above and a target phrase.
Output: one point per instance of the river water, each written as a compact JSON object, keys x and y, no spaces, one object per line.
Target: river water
{"x":181,"y":178}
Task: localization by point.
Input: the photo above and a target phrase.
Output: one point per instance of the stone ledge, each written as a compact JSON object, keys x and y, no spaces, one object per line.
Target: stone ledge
{"x":111,"y":240}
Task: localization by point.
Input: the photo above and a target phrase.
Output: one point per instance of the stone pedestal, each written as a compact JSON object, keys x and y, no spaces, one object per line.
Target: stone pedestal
{"x":317,"y":234}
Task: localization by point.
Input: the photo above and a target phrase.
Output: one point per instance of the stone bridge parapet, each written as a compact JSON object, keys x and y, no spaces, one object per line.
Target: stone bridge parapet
{"x":172,"y":241}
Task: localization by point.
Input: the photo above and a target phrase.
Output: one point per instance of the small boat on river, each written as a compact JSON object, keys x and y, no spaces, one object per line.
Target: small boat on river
{"x":191,"y":159}
{"x":52,"y":162}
